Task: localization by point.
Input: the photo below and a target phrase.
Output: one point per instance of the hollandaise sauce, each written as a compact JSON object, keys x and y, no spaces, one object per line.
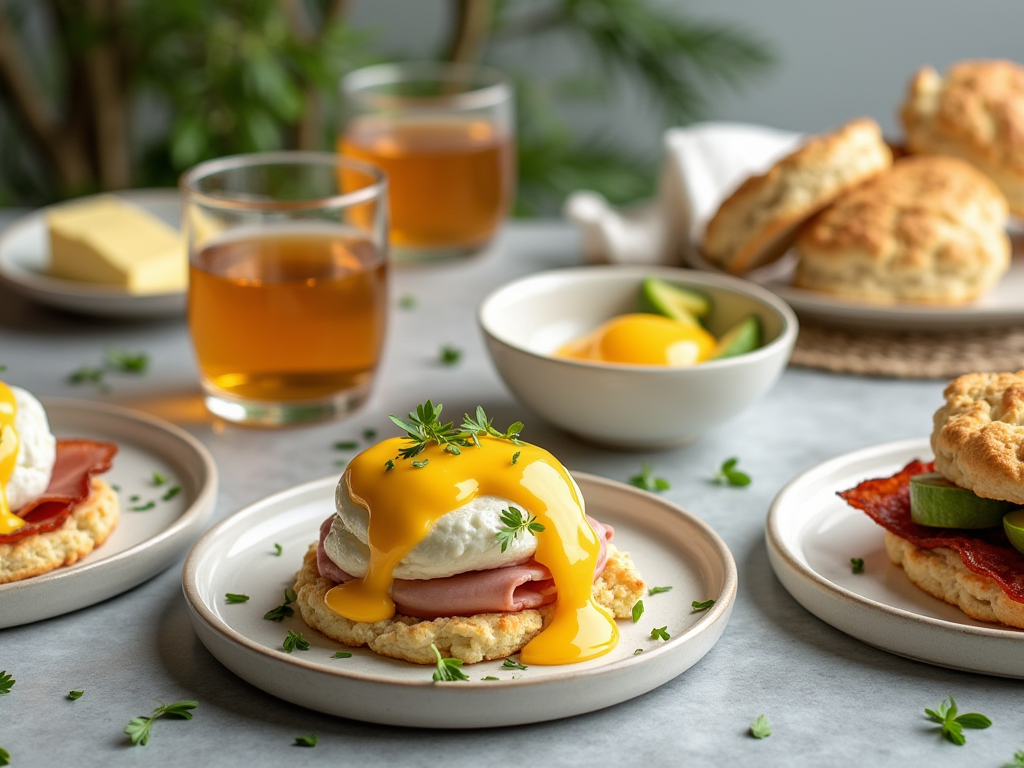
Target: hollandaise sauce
{"x":404,"y":503}
{"x":9,"y":522}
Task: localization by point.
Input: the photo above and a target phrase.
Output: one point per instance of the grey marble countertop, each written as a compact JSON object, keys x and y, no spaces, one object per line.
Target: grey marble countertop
{"x":831,"y":700}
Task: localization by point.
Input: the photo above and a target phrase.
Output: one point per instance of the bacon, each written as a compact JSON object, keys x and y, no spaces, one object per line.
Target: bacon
{"x":499,"y":590}
{"x":986,"y":551}
{"x":70,"y":484}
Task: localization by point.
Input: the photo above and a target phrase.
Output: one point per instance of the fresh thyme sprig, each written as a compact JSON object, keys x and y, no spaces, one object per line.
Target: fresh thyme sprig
{"x":647,"y":481}
{"x":6,"y":682}
{"x":513,"y":664}
{"x":284,"y":610}
{"x":484,"y":426}
{"x":294,"y":641}
{"x":516,"y":522}
{"x":138,"y":727}
{"x":424,"y":426}
{"x":448,"y":670}
{"x":952,"y":725}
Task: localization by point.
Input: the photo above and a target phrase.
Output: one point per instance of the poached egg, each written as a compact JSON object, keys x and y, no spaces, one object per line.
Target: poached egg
{"x":28,"y":451}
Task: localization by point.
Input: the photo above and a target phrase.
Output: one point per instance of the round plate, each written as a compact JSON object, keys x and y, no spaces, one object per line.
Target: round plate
{"x":25,"y":257}
{"x":812,"y":534}
{"x":669,"y":546}
{"x":144,"y":542}
{"x":1004,"y":305}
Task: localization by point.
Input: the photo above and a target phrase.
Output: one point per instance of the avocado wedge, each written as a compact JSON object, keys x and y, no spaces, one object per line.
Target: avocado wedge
{"x":659,"y":297}
{"x":1013,"y":524}
{"x":743,"y":337}
{"x":936,"y":502}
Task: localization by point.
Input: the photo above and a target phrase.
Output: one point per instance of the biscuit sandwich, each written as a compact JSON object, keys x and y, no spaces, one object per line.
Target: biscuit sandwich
{"x":53,"y":510}
{"x":974,"y":112}
{"x":950,"y":524}
{"x":758,"y":222}
{"x":468,"y":540}
{"x":930,"y":230}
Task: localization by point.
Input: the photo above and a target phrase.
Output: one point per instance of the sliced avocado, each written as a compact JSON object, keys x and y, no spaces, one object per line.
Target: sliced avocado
{"x":936,"y":502}
{"x":1013,"y":524}
{"x":743,"y":337}
{"x":659,"y":297}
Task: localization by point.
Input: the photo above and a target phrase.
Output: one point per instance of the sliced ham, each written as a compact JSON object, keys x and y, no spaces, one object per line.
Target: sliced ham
{"x":499,"y":590}
{"x":70,"y":484}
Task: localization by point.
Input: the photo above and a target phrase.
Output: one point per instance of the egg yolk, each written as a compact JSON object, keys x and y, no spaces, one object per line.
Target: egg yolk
{"x":405,"y":501}
{"x":8,"y":457}
{"x":641,"y":339}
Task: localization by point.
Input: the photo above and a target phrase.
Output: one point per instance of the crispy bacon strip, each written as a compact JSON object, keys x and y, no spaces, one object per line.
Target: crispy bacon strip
{"x":986,"y":551}
{"x":77,"y":461}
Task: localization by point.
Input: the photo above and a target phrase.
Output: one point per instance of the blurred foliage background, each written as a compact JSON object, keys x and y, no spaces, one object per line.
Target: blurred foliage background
{"x":110,"y":94}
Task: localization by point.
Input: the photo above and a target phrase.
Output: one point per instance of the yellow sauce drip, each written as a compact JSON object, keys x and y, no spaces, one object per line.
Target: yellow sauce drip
{"x":405,"y":502}
{"x":9,"y":522}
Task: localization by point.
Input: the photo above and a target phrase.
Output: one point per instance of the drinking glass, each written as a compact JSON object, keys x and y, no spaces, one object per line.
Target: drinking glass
{"x":444,"y":135}
{"x":287,"y":296}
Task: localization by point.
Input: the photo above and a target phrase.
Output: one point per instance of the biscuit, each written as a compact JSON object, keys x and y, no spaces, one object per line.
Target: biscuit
{"x":757,"y":223}
{"x":976,"y":113}
{"x":931,"y":230}
{"x":470,"y":638}
{"x":941,"y":573}
{"x":88,"y":526}
{"x":978,"y":435}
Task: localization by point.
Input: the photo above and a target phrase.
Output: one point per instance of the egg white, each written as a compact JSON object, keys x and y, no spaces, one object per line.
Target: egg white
{"x":37,"y":451}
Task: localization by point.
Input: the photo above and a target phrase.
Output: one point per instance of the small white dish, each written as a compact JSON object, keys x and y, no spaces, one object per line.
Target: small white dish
{"x":628,"y":406}
{"x":144,"y":542}
{"x":25,"y":257}
{"x":811,"y":536}
{"x":670,"y":547}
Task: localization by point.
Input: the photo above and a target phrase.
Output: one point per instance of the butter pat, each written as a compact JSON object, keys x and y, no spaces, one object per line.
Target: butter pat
{"x":110,"y":241}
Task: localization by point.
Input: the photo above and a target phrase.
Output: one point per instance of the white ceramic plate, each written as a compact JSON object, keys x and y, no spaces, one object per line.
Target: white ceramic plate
{"x":1003,"y":306}
{"x":143,"y":543}
{"x":812,"y":534}
{"x":670,"y":547}
{"x":25,"y":256}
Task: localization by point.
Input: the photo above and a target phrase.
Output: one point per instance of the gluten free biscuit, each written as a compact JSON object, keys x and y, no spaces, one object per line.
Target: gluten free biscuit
{"x":978,"y":435}
{"x":758,"y":222}
{"x":976,"y":113}
{"x":475,"y":638}
{"x":930,"y":230}
{"x":88,"y":526}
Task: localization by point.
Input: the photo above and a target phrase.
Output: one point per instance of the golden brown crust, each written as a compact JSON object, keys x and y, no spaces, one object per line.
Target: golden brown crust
{"x":975,"y":112}
{"x":470,"y":638}
{"x":941,"y":573}
{"x":757,"y":222}
{"x":978,"y":435}
{"x":86,"y":528}
{"x":930,"y":230}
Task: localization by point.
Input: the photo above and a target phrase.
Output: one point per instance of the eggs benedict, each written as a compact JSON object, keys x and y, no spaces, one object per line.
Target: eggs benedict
{"x":468,"y":539}
{"x":53,"y":512}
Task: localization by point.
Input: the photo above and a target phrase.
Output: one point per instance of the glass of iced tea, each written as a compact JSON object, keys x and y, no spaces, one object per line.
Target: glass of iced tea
{"x":287,"y":299}
{"x":445,"y":136}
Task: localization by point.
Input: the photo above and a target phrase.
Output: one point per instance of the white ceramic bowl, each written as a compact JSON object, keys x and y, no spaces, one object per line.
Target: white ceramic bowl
{"x":628,"y":406}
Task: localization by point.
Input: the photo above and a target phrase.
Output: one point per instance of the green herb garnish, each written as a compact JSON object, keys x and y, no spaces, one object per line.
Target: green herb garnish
{"x":389,"y":465}
{"x":369,"y":433}
{"x":448,"y":670}
{"x":75,"y":695}
{"x":284,"y":610}
{"x":482,"y":425}
{"x":1018,"y":760}
{"x":647,"y":481}
{"x":138,"y":727}
{"x":701,"y":606}
{"x":345,"y":445}
{"x":515,"y":457}
{"x":278,"y":549}
{"x":125,"y":362}
{"x":952,"y":725}
{"x":760,"y":729}
{"x":490,"y":677}
{"x":89,"y":375}
{"x":638,"y":651}
{"x":857,"y":564}
{"x":516,"y":522}
{"x":158,"y":479}
{"x":660,"y":633}
{"x":143,"y":507}
{"x":421,"y":464}
{"x":407,"y":302}
{"x":5,"y":756}
{"x":638,"y":611}
{"x":424,"y":426}
{"x":306,"y":741}
{"x":294,"y":641}
{"x":234,"y":598}
{"x":134,"y":497}
{"x":729,"y":475}
{"x":510,"y":664}
{"x":450,"y":355}
{"x":173,"y":491}
{"x":658,"y":590}
{"x":6,"y":682}
{"x":341,"y":655}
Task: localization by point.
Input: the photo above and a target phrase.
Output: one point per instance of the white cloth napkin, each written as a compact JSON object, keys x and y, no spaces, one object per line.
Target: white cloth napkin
{"x":703,"y":164}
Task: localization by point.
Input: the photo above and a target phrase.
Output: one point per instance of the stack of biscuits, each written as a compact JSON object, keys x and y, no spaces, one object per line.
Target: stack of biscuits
{"x":928,"y":228}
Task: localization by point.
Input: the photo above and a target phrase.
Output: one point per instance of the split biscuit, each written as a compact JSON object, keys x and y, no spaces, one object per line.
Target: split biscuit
{"x":931,"y":230}
{"x":978,"y":435}
{"x":976,"y":113}
{"x":475,"y":638}
{"x":88,"y":526}
{"x":941,"y":573}
{"x":758,"y":222}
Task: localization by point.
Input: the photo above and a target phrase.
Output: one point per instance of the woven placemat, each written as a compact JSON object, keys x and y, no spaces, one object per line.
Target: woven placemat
{"x":908,"y":354}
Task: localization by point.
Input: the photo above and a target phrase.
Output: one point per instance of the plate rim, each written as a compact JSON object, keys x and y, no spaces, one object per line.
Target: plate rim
{"x":709,"y":622}
{"x":194,"y":515}
{"x":775,"y":541}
